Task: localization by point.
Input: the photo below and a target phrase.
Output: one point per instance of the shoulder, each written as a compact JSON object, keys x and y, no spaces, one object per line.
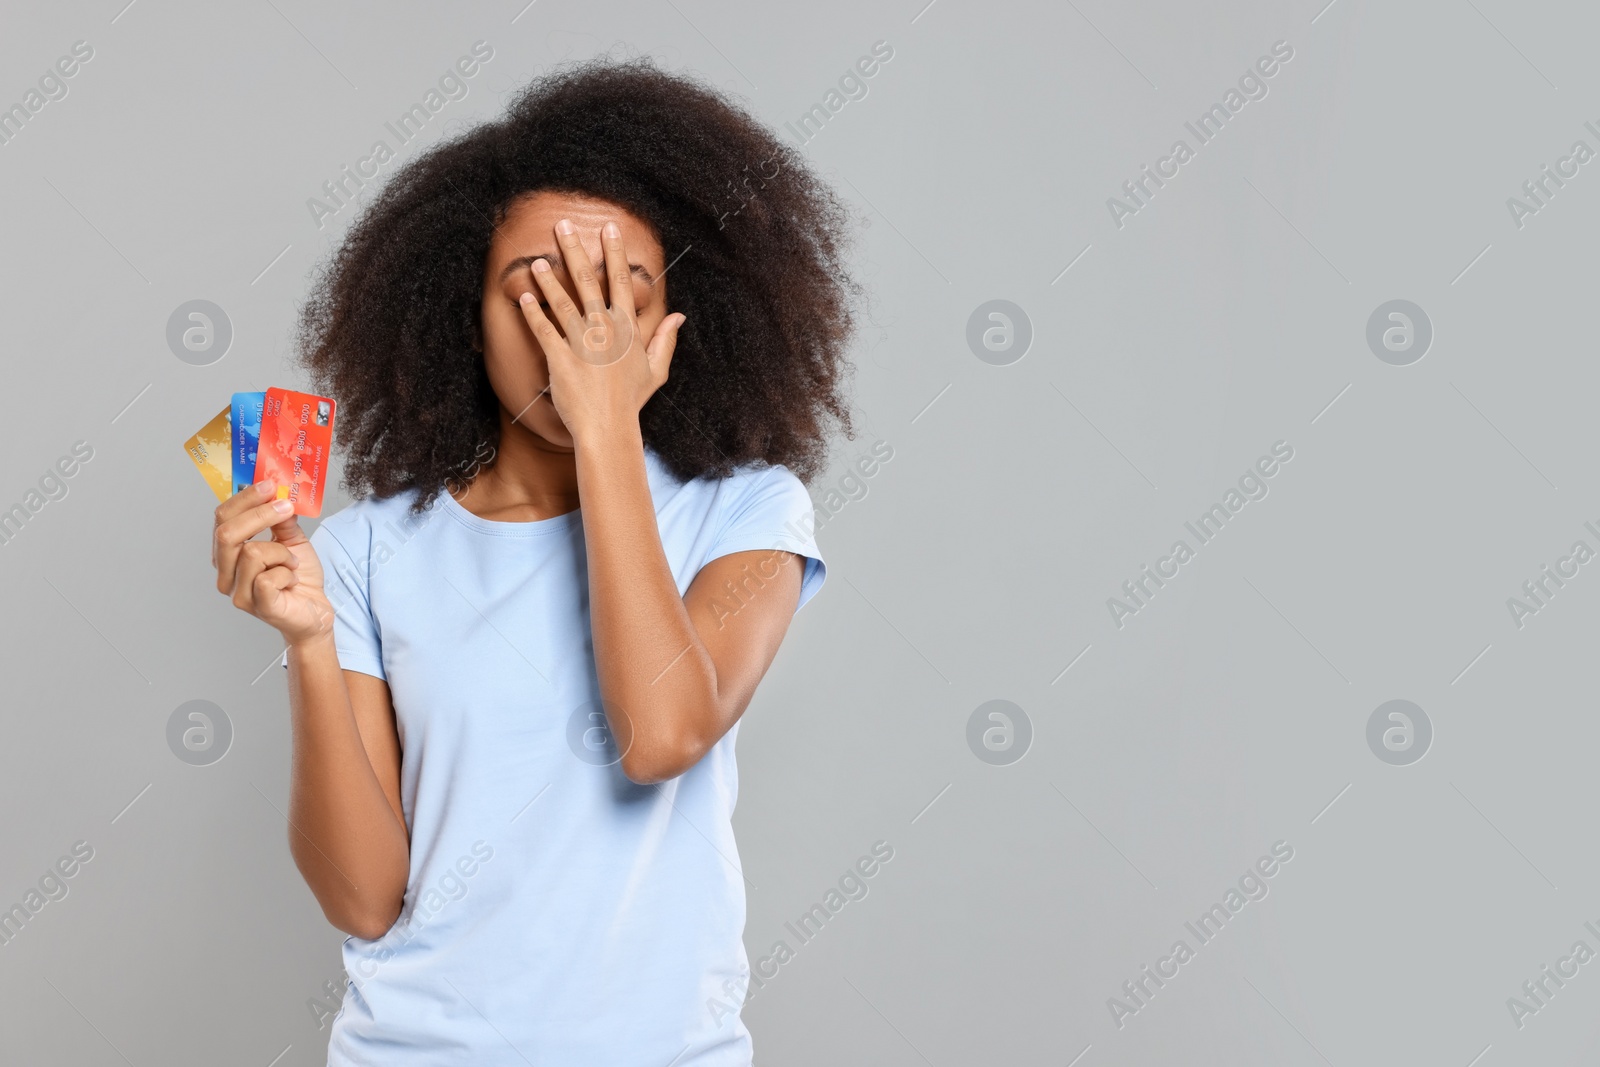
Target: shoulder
{"x":352,"y":529}
{"x":763,"y":477}
{"x":726,"y":498}
{"x":763,"y":486}
{"x":756,"y":505}
{"x":765,"y":506}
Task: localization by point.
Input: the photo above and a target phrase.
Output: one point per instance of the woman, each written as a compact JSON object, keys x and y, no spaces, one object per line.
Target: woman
{"x":516,"y":665}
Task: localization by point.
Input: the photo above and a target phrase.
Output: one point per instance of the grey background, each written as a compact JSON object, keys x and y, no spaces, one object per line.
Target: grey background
{"x":1228,"y":714}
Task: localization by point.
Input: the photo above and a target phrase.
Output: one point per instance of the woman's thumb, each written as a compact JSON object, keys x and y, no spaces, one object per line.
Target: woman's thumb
{"x":665,"y":343}
{"x":288,"y":532}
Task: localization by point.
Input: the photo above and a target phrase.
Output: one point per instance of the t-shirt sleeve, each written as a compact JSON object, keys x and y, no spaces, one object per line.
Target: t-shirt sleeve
{"x":772,"y":509}
{"x":344,"y":578}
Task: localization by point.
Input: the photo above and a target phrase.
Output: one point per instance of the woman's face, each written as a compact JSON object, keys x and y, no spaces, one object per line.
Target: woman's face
{"x":516,"y":364}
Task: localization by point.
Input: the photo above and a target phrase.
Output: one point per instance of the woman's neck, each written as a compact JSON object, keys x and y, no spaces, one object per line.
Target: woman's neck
{"x":530,"y":479}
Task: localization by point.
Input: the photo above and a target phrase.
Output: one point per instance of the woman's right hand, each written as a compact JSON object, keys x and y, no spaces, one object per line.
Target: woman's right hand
{"x":278,"y":581}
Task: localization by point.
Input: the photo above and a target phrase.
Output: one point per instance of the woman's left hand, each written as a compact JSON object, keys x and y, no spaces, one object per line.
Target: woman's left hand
{"x":602,"y":370}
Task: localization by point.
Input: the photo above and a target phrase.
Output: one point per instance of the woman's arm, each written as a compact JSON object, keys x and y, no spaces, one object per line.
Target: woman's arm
{"x":675,"y":672}
{"x":346,"y":830}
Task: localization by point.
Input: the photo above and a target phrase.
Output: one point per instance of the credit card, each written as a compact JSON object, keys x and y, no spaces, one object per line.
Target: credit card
{"x":209,"y":449}
{"x":246,"y":426}
{"x":296,"y":443}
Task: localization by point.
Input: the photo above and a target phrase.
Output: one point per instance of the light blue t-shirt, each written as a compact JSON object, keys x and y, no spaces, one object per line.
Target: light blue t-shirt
{"x":555,"y":911}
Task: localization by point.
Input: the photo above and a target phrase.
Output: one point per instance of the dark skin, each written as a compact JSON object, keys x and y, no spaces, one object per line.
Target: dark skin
{"x":572,"y":353}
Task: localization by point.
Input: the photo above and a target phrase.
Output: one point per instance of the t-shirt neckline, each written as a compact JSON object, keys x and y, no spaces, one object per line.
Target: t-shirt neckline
{"x":498,"y":528}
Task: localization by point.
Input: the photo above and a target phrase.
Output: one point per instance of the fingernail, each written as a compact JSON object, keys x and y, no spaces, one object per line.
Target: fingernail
{"x":611,"y":230}
{"x":282,"y":507}
{"x":264,"y":487}
{"x":525,"y":299}
{"x":564,"y":226}
{"x":540,"y":266}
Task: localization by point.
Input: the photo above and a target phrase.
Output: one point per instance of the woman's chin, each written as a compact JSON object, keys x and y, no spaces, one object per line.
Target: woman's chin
{"x":548,"y":430}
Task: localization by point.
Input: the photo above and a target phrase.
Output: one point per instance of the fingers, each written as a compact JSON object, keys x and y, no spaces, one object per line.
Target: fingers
{"x":244,"y":499}
{"x":658,"y":353}
{"x":266,"y":593}
{"x":579,"y":268}
{"x":596,"y":334}
{"x":255,"y":558}
{"x":619,"y":276}
{"x":288,"y":532}
{"x":544,"y":331}
{"x":248,"y":497}
{"x":232,"y":534}
{"x":562,"y":309}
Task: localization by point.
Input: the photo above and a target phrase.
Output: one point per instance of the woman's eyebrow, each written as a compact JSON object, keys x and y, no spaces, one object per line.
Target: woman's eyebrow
{"x":554,"y":259}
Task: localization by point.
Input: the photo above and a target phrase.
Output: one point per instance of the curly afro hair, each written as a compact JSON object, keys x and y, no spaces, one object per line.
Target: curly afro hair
{"x":755,"y":239}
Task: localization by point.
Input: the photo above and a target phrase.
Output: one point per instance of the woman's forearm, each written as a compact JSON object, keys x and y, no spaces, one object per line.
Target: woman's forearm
{"x":350,"y":847}
{"x":657,"y":681}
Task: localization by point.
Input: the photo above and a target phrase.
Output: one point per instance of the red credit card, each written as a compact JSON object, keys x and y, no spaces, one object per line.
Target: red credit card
{"x":296,"y":442}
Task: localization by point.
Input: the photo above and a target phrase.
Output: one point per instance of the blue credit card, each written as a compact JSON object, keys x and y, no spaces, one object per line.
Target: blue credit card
{"x":244,"y":420}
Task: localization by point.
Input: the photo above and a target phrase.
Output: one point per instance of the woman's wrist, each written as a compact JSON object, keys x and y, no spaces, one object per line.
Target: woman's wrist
{"x":609,"y":439}
{"x":311,"y":647}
